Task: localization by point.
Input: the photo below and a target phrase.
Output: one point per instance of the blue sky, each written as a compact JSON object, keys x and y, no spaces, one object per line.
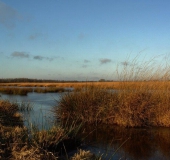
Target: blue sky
{"x":79,"y":39}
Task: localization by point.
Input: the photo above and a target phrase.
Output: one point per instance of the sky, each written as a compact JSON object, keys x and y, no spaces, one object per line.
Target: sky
{"x":79,"y":39}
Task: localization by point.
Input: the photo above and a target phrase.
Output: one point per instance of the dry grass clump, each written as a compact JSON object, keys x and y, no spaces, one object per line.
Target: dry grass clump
{"x":32,"y":153}
{"x":12,"y":139}
{"x":85,"y":155}
{"x":16,"y":144}
{"x":88,"y":105}
{"x":20,"y":143}
{"x":143,"y":108}
{"x":9,"y":115}
{"x":143,"y":98}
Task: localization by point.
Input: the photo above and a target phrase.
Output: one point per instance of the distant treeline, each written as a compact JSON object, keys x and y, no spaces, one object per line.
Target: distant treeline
{"x":15,"y":80}
{"x":18,"y":80}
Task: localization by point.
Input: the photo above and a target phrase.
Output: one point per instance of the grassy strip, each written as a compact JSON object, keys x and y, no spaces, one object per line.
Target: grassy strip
{"x":25,"y":91}
{"x":62,"y":85}
{"x":49,"y":90}
{"x":130,"y":83}
{"x":15,"y":91}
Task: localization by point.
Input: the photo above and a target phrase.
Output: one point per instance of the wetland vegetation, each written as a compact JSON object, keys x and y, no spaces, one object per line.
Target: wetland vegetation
{"x":25,"y":90}
{"x":139,"y":99}
{"x":128,"y":108}
{"x":19,"y":142}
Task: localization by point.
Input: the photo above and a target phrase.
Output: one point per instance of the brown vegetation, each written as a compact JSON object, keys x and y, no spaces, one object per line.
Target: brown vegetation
{"x":65,"y":84}
{"x":131,"y":108}
{"x":25,"y":91}
{"x":15,"y":90}
{"x":49,"y":90}
{"x":140,"y":98}
{"x":18,"y":142}
{"x":9,"y":115}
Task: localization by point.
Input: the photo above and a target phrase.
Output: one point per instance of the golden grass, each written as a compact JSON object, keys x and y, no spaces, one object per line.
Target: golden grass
{"x":85,"y":155}
{"x":25,"y":91}
{"x":15,"y":91}
{"x":103,"y":85}
{"x":49,"y":90}
{"x":65,"y":85}
{"x":131,"y":108}
{"x":140,"y":98}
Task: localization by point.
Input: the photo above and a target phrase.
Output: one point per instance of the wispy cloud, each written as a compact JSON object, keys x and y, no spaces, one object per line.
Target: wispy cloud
{"x":43,"y":58}
{"x":8,"y":15}
{"x":84,"y":66}
{"x":20,"y":54}
{"x":38,"y":57}
{"x":81,"y":36}
{"x":34,"y":36}
{"x":86,"y":61}
{"x":125,"y":63}
{"x":105,"y":60}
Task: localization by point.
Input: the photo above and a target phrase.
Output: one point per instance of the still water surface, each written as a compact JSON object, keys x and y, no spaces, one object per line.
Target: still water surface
{"x":42,"y":103}
{"x":113,"y":142}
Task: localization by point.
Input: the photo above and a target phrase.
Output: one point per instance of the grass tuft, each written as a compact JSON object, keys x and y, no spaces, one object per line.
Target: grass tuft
{"x":142,"y":98}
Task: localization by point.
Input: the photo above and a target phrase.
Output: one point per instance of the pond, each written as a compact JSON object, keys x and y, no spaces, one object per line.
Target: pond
{"x":113,"y":142}
{"x":42,"y":103}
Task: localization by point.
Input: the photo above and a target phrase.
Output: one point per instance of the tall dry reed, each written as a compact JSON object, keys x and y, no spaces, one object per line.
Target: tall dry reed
{"x":142,"y":98}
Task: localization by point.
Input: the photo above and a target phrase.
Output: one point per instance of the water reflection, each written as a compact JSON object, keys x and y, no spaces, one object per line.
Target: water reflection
{"x":132,"y":143}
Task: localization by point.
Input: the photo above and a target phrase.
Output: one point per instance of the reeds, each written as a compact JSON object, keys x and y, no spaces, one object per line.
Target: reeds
{"x":143,"y":98}
{"x":19,"y":142}
{"x":24,"y":106}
